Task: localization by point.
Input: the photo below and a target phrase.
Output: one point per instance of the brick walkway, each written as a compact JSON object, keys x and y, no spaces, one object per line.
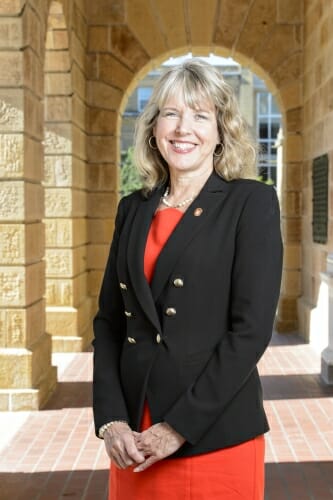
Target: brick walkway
{"x":53,"y":454}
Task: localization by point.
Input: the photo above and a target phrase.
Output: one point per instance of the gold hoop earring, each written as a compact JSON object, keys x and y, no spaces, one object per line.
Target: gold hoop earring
{"x":220,"y":153}
{"x":151,"y":144}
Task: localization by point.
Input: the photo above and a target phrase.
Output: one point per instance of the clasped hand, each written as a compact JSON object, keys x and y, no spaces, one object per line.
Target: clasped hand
{"x":126,"y":447}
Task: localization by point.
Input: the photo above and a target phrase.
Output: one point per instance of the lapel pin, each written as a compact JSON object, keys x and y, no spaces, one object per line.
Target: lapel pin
{"x":198,"y":211}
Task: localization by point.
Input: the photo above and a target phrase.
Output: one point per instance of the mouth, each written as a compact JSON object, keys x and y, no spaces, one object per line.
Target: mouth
{"x":183,"y":147}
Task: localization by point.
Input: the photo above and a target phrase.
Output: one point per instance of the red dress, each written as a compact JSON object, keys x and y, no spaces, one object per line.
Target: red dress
{"x":233,"y":473}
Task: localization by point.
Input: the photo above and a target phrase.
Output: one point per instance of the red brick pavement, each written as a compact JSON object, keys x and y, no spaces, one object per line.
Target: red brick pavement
{"x":54,"y":454}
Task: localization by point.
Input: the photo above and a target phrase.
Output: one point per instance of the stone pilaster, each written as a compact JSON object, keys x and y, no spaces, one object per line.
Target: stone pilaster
{"x":68,"y":309}
{"x":27,"y":377}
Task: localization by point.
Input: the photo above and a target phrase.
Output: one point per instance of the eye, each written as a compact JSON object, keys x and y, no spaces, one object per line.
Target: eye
{"x":169,"y":113}
{"x":200,"y":116}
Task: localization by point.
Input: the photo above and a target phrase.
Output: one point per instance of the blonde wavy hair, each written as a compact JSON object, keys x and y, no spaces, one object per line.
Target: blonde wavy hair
{"x":198,"y":81}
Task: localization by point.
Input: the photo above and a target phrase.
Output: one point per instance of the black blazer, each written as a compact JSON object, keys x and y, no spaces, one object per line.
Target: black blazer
{"x":190,"y":342}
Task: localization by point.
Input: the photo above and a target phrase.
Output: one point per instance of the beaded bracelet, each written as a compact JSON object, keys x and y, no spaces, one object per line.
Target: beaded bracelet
{"x":104,"y":427}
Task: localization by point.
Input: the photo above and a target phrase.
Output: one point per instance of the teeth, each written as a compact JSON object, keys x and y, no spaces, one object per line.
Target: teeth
{"x":182,"y":145}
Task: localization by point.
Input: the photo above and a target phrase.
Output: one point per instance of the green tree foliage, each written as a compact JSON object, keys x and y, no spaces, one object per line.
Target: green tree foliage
{"x":129,"y":176}
{"x":268,"y":181}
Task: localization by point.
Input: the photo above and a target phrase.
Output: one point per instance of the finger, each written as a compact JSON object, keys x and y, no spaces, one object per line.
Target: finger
{"x":149,"y":445}
{"x":132,"y":452}
{"x":137,"y":456}
{"x":123,"y":451}
{"x":147,"y":463}
{"x":143,"y":450}
{"x":126,"y":452}
{"x":125,"y":461}
{"x":118,"y":461}
{"x":109,"y":450}
{"x":119,"y":454}
{"x":124,"y":457}
{"x":137,"y":438}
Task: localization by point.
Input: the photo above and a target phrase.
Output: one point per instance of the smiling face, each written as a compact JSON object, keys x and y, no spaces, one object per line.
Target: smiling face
{"x":187,"y":136}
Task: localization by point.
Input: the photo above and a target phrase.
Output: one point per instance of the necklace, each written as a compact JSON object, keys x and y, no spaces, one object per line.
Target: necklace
{"x":177,"y":205}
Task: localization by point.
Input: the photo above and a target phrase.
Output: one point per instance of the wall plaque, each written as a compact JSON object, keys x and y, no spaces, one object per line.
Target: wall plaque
{"x":320,"y":182}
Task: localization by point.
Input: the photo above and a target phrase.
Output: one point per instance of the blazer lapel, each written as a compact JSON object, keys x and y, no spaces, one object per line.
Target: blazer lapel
{"x":193,"y":220}
{"x":198,"y":212}
{"x":135,"y":255}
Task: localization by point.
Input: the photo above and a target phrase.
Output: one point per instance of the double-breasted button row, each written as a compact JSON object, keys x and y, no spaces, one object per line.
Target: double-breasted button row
{"x":132,"y":340}
{"x":170,"y":311}
{"x":128,"y":314}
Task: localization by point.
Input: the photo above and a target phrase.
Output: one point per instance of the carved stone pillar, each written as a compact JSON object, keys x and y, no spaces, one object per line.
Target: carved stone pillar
{"x":327,"y":353}
{"x":26,"y":375}
{"x":68,"y":311}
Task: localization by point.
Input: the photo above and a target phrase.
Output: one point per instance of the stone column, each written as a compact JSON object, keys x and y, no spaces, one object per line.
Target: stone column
{"x":26,"y":375}
{"x":327,"y":353}
{"x":290,"y":172}
{"x":68,"y":312}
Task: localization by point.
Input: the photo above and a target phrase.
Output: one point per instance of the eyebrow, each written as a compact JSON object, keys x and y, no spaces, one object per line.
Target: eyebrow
{"x":200,"y":110}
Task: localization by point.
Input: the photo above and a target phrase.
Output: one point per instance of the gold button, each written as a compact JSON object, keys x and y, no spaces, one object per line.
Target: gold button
{"x":131,"y":340}
{"x":158,"y":338}
{"x":198,"y":211}
{"x":123,"y":286}
{"x":128,"y":314}
{"x":178,"y":282}
{"x":170,"y":311}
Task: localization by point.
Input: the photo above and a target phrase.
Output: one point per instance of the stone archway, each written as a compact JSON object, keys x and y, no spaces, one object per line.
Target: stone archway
{"x":126,"y":39}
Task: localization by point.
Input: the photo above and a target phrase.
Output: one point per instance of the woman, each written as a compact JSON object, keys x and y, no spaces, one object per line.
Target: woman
{"x":187,"y":303}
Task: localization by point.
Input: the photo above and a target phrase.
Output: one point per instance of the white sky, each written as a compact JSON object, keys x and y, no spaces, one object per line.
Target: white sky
{"x":212,"y":59}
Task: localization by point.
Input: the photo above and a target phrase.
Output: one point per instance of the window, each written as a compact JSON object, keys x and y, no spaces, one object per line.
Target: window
{"x":268,"y":125}
{"x":144,"y":94}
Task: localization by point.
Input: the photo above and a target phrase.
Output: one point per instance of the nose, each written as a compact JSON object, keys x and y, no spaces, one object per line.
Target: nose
{"x":183,"y":124}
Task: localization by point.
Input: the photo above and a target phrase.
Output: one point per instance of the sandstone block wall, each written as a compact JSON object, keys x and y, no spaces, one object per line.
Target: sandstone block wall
{"x":318,"y":140}
{"x":27,"y":377}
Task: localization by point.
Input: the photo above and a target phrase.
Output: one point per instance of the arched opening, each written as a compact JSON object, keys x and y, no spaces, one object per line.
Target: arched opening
{"x":124,"y":44}
{"x":289,"y":157}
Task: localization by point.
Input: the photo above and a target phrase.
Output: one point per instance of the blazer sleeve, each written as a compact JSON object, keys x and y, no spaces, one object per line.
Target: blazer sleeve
{"x":109,"y":328}
{"x":255,"y":286}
